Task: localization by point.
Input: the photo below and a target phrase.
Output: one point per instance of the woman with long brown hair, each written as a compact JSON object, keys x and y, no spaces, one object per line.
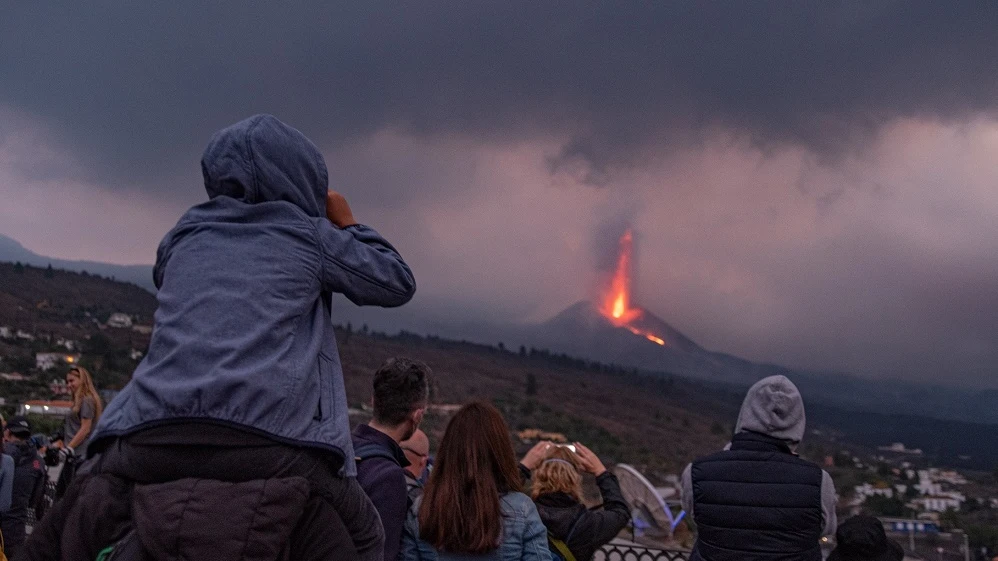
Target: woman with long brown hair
{"x":472,"y":505}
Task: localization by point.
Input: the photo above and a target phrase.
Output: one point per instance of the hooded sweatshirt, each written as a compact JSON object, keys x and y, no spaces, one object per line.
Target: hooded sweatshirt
{"x":771,"y":423}
{"x":243,"y":334}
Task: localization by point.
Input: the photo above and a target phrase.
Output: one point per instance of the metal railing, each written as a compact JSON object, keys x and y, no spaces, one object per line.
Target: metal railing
{"x":625,"y":552}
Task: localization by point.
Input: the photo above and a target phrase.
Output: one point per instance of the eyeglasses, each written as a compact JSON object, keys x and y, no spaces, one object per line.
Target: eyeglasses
{"x":415,"y":452}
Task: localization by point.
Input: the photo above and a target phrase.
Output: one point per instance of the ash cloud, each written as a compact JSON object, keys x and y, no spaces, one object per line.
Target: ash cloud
{"x":809,"y":183}
{"x":136,"y":89}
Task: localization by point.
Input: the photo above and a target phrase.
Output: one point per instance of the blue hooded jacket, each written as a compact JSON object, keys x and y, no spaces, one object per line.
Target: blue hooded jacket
{"x":243,"y":334}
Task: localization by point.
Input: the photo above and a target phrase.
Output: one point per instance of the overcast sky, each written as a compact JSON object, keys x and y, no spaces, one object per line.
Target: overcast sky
{"x":811,"y":184}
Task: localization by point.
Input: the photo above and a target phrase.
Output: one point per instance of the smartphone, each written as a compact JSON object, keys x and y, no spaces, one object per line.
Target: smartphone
{"x":569,"y":446}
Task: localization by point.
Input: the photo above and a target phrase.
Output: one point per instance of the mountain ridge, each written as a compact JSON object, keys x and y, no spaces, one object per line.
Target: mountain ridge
{"x":582,"y":330}
{"x":13,"y":251}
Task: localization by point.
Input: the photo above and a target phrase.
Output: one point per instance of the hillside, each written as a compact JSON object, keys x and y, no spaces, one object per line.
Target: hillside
{"x":46,"y":310}
{"x":656,"y":423}
{"x":652,"y":419}
{"x":12,"y":251}
{"x":52,"y":296}
{"x":582,"y":330}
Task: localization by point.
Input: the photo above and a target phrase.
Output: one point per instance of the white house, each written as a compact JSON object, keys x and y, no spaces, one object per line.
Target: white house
{"x":67,"y":344}
{"x":143,"y":329}
{"x":937,"y":503}
{"x":120,"y":320}
{"x":6,"y":332}
{"x":866,"y":490}
{"x":48,"y":361}
{"x":136,"y":354}
{"x":58,"y":387}
{"x":952,"y":477}
{"x":21,"y":334}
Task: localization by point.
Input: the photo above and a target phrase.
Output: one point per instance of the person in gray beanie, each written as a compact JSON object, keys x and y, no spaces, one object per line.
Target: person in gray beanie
{"x":756,"y":499}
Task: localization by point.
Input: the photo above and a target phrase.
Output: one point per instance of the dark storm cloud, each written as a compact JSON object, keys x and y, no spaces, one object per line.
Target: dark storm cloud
{"x":135,"y":89}
{"x":796,"y":189}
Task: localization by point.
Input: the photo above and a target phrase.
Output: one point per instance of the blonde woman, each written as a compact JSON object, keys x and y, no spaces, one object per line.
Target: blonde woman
{"x":86,"y":410}
{"x":557,"y":492}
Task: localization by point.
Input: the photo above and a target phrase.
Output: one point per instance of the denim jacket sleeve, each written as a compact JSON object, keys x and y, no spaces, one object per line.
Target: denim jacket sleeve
{"x":535,"y":536}
{"x":358,"y":263}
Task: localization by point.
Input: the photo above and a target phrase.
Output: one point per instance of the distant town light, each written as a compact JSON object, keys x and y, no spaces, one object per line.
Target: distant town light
{"x":70,"y":359}
{"x":46,"y":407}
{"x":27,"y":407}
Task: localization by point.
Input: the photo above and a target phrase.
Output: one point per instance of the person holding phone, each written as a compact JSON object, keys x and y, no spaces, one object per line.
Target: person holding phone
{"x":574,"y":531}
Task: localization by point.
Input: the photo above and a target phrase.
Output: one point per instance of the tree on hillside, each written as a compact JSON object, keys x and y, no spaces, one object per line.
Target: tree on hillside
{"x":882,"y":506}
{"x":49,"y":273}
{"x":531,"y":384}
{"x":19,"y":268}
{"x":99,"y":344}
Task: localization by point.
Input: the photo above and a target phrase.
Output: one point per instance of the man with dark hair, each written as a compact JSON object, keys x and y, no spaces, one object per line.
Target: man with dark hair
{"x":401,"y":393}
{"x":29,"y":483}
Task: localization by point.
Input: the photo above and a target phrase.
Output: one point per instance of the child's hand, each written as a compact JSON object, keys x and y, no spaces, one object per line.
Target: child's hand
{"x":338,"y":211}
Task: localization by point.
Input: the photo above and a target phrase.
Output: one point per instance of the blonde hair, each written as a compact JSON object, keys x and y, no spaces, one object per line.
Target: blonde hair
{"x":559,"y":473}
{"x":86,"y":389}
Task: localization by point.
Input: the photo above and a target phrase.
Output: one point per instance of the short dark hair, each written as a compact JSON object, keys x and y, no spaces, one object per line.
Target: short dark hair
{"x":401,"y":386}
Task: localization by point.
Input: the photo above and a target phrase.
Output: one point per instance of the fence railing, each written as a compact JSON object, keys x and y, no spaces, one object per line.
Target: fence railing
{"x":624,"y":552}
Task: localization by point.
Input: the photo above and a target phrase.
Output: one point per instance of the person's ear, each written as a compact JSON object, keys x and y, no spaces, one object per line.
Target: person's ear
{"x":417,"y":416}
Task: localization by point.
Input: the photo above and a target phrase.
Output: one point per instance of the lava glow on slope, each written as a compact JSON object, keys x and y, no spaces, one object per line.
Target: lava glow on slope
{"x":617,"y":303}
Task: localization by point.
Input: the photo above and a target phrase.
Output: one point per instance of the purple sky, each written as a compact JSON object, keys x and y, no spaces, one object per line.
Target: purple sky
{"x":814,"y":187}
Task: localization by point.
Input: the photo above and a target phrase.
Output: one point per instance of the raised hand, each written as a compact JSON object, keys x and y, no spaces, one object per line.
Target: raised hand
{"x":536,"y":455}
{"x":338,"y":211}
{"x":589,"y":461}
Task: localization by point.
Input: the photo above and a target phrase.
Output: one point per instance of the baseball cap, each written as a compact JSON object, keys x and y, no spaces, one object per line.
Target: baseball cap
{"x":19,"y":426}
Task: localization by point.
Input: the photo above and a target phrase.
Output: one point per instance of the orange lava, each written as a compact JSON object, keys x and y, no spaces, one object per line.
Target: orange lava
{"x":617,"y":303}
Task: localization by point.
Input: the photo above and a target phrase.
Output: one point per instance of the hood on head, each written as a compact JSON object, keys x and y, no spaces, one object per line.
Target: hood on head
{"x":773,"y":406}
{"x":261,"y":159}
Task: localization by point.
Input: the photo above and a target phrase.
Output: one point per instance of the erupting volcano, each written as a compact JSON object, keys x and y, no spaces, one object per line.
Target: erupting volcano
{"x":617,"y":302}
{"x":614,"y":330}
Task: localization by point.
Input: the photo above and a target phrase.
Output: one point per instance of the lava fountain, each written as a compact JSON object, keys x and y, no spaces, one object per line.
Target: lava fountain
{"x":617,"y":302}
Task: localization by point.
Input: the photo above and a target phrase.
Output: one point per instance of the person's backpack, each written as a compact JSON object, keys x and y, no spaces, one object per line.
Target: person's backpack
{"x":559,"y":548}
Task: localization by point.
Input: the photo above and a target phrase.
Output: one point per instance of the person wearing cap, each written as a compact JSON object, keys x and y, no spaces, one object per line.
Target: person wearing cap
{"x":6,"y":476}
{"x":28,"y":482}
{"x":862,"y":538}
{"x":757,"y":500}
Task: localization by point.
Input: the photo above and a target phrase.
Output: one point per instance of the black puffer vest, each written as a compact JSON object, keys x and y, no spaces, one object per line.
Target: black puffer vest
{"x":756,"y":501}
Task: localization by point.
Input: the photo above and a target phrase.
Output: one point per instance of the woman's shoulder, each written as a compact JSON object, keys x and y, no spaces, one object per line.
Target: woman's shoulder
{"x":516,"y":501}
{"x":516,"y":497}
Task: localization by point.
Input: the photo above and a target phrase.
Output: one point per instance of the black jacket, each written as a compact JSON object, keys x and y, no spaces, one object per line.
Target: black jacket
{"x":382,"y":475}
{"x":29,"y":484}
{"x":757,"y":502}
{"x":595,"y":528}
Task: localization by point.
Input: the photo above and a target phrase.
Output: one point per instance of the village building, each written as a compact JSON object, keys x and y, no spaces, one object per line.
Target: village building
{"x":48,"y":361}
{"x":120,"y":321}
{"x":56,"y":408}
